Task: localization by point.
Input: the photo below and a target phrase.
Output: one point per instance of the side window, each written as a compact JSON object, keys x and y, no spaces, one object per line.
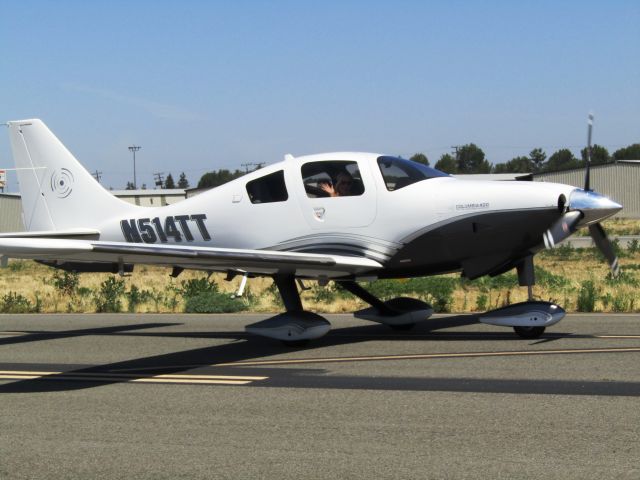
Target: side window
{"x":332,"y":179}
{"x":268,"y":189}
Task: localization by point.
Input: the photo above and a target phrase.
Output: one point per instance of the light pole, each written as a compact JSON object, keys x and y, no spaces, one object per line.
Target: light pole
{"x":134,"y":149}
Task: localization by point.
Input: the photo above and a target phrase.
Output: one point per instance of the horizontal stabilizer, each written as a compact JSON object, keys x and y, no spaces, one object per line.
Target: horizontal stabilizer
{"x":42,"y":248}
{"x":78,"y":233}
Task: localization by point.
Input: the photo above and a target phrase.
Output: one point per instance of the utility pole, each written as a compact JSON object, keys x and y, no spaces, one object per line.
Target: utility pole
{"x":159,"y":179}
{"x":134,"y":149}
{"x":255,"y":165}
{"x":96,"y":175}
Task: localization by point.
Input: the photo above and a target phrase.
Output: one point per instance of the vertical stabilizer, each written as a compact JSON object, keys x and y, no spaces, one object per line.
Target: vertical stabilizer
{"x":57,"y":192}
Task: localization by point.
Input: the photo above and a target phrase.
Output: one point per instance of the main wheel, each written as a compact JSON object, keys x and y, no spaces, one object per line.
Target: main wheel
{"x":529,"y":332}
{"x":403,"y":327}
{"x":295,"y":343}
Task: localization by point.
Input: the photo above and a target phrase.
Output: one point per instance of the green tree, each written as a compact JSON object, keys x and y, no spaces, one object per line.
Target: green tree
{"x":218,"y":177}
{"x":537,"y":157}
{"x":515,"y":165}
{"x":420,"y":158}
{"x":182,"y":181}
{"x":599,"y":155}
{"x":447,"y":164}
{"x":563,"y":159}
{"x":470,"y":159}
{"x":168,"y":182}
{"x":632,"y":152}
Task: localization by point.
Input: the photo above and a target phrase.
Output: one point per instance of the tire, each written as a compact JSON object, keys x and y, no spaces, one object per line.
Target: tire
{"x":529,"y":332}
{"x":403,"y":327}
{"x":295,"y":343}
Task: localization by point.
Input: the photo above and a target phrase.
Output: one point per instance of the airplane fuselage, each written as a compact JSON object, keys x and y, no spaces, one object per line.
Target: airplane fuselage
{"x":434,"y":225}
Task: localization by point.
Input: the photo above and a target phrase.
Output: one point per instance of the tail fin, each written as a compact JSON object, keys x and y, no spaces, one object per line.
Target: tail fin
{"x":57,"y":192}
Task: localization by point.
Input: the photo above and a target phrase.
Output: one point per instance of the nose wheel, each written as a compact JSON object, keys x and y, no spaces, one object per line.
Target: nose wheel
{"x":526,"y":276}
{"x":529,"y":332}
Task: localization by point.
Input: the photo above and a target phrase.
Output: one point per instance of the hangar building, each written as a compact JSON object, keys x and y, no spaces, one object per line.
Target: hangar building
{"x":619,"y":181}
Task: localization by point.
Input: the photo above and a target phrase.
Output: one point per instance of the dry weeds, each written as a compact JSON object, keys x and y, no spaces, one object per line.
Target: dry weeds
{"x":35,"y":282}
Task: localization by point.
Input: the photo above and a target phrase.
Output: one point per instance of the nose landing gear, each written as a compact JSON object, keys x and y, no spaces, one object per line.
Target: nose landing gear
{"x":529,"y":319}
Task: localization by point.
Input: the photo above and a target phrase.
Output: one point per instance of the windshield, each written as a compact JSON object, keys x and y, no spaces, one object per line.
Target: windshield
{"x":398,"y":172}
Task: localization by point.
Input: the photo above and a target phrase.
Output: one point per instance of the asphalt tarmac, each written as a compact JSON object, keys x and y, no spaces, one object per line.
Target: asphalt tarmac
{"x":184,"y":396}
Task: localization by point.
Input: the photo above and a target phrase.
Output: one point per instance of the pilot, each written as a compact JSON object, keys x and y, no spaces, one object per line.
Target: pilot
{"x":342,"y":188}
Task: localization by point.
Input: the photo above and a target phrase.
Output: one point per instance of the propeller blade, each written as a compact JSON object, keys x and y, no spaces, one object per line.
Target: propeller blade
{"x":604,"y":245}
{"x":587,"y":175}
{"x":561,"y":229}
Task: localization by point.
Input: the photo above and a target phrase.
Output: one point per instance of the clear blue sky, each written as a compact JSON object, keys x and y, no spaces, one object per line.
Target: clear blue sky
{"x":205,"y":85}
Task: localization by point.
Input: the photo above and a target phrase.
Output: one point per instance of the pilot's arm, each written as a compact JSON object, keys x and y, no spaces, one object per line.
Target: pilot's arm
{"x":328,"y":188}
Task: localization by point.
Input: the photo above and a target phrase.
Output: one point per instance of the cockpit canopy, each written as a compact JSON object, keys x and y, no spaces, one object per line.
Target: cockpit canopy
{"x":398,"y":172}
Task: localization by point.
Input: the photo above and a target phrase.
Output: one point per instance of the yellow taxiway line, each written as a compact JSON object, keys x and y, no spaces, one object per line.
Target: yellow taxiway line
{"x":421,"y":356}
{"x":617,"y":336}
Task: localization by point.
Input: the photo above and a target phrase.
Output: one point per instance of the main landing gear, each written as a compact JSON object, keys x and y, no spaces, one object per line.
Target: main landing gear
{"x":529,"y":319}
{"x":297,"y":326}
{"x":401,"y":313}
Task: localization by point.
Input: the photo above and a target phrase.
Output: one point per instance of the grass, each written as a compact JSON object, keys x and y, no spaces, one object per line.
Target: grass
{"x":28,"y":286}
{"x":616,"y":227}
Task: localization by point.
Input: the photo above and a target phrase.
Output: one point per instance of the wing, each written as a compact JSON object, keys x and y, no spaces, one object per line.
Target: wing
{"x":260,"y":262}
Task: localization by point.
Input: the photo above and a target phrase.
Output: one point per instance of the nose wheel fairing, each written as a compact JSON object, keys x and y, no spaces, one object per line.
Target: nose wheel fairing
{"x":525,"y":314}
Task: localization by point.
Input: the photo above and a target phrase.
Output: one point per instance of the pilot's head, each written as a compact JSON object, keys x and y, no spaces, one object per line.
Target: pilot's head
{"x":343,"y":183}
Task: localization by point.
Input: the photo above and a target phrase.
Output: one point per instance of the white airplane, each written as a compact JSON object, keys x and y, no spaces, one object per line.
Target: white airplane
{"x":343,"y":217}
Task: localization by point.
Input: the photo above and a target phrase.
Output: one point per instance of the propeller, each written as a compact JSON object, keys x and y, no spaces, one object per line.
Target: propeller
{"x":595,"y":230}
{"x":589,"y":207}
{"x":587,"y":173}
{"x":606,"y":248}
{"x":561,"y":229}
